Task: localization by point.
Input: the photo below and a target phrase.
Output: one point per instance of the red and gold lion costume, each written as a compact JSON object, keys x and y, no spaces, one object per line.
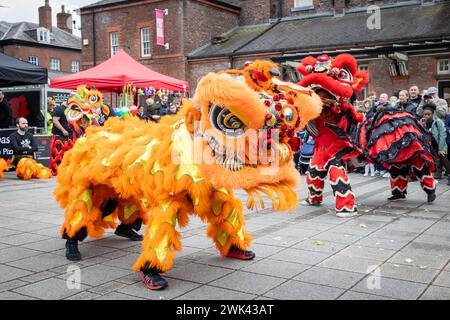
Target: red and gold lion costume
{"x":83,"y":109}
{"x":335,"y":80}
{"x":159,"y":174}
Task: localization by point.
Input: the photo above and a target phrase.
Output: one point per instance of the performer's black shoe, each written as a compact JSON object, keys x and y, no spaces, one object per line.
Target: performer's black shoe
{"x":72,"y":252}
{"x":431,"y":196}
{"x":398,"y":196}
{"x":127,"y":231}
{"x":153,"y":280}
{"x":237,"y":253}
{"x":309,"y":203}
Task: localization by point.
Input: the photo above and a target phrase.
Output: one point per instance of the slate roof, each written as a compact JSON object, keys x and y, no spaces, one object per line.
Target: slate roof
{"x":398,"y":24}
{"x":25,"y":31}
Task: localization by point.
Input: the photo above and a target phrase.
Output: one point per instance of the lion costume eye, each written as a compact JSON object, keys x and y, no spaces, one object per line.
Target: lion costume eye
{"x":345,"y":75}
{"x":288,"y":114}
{"x":223,"y":120}
{"x":94,"y":98}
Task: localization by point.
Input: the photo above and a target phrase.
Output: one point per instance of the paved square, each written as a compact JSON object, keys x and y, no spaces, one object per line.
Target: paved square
{"x":305,"y":254}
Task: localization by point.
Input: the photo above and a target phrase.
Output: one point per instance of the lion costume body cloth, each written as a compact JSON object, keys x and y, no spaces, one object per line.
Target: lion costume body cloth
{"x":335,"y":80}
{"x":149,"y":170}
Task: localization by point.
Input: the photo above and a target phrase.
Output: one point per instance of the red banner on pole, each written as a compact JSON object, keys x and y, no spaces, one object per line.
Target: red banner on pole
{"x":160,"y":27}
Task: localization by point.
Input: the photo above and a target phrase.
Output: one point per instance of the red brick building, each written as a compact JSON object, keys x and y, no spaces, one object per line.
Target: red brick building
{"x":130,"y":25}
{"x":43,"y":44}
{"x":407,"y":42}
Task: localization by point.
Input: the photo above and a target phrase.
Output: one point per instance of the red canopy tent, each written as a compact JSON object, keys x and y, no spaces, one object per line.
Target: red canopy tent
{"x":117,"y":72}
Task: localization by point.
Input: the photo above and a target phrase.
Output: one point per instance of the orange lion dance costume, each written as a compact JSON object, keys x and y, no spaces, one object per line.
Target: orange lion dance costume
{"x":335,"y":81}
{"x":3,"y":167}
{"x":189,"y":163}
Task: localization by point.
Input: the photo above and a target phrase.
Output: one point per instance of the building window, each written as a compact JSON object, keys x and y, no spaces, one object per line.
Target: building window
{"x":303,"y":4}
{"x":443,"y":66}
{"x":55,"y":64}
{"x":145,"y":42}
{"x":33,"y":60}
{"x":75,"y":66}
{"x":363,"y":67}
{"x":43,"y":35}
{"x":114,"y":42}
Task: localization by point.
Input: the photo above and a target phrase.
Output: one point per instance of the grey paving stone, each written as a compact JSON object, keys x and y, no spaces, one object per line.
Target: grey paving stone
{"x":353,"y":295}
{"x":219,"y":261}
{"x":85,"y":295}
{"x":31,"y":227}
{"x":296,"y":290}
{"x":86,"y":262}
{"x":248,"y":282}
{"x":263,"y":251}
{"x":41,"y":262}
{"x":393,"y":288}
{"x":186,"y":251}
{"x":352,"y":264}
{"x":201,"y":242}
{"x":327,"y":247}
{"x":443,"y":279}
{"x":353,"y":230}
{"x":330,"y":277}
{"x":21,"y":238}
{"x":309,"y":224}
{"x":198,"y":273}
{"x":436,"y":293}
{"x":100,"y":274}
{"x":8,"y":295}
{"x":429,"y":248}
{"x":213,"y":293}
{"x":176,"y":288}
{"x":116,"y":254}
{"x":8,"y":273}
{"x":117,"y":296}
{"x":276,"y":268}
{"x":107,"y":287}
{"x":88,"y":250}
{"x":297,"y":232}
{"x":124,"y":262}
{"x":129,"y":279}
{"x":410,"y":273}
{"x":50,"y":289}
{"x":7,"y":232}
{"x":367,"y":252}
{"x":15,"y":253}
{"x":278,"y":240}
{"x":114,"y":242}
{"x":301,"y":256}
{"x":385,"y":243}
{"x":431,"y":261}
{"x":337,"y":237}
{"x":48,"y":245}
{"x":9,"y":285}
{"x":39,"y":276}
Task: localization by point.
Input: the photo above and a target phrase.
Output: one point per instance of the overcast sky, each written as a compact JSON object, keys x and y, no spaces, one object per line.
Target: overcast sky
{"x":27,"y":10}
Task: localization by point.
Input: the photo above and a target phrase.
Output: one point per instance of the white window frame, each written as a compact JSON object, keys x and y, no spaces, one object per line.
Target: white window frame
{"x":55,"y":64}
{"x":145,"y":42}
{"x":363,"y":67}
{"x":33,"y":60}
{"x":43,"y":35}
{"x":303,"y":4}
{"x":440,"y":64}
{"x":75,"y":66}
{"x":114,"y":42}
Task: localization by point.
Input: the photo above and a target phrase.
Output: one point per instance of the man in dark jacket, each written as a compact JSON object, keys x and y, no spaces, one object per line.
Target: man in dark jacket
{"x":22,"y":142}
{"x":414,"y":95}
{"x":5,"y":112}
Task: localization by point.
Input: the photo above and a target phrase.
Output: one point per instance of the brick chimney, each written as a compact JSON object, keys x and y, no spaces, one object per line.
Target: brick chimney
{"x":45,"y":16}
{"x":64,"y":20}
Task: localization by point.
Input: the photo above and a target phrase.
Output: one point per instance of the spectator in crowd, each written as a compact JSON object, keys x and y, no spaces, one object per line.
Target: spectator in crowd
{"x":164,"y":105}
{"x":414,"y":96}
{"x":61,"y":127}
{"x":437,"y":129}
{"x":173,"y":109}
{"x":447,"y":127}
{"x":383,"y":102}
{"x":393,"y":100}
{"x":373,"y":97}
{"x":5,"y":112}
{"x":404,"y":103}
{"x":433,"y":97}
{"x":22,"y":142}
{"x":141,"y":114}
{"x":152,"y":109}
{"x":51,"y":105}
